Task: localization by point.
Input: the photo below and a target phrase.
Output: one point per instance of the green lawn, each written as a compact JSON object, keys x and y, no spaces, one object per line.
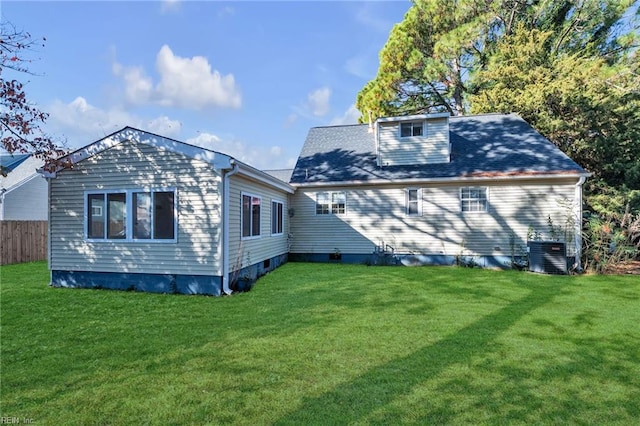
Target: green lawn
{"x":327,"y":344}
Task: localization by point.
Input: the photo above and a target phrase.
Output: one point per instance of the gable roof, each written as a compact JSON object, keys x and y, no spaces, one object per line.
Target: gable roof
{"x":216,"y":159}
{"x":9,"y":162}
{"x":482,"y":147}
{"x":282,"y":174}
{"x":20,"y":170}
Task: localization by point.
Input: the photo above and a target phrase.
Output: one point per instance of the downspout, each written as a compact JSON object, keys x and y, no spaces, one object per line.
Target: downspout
{"x":578,"y":224}
{"x":225,"y":228}
{"x":49,"y":229}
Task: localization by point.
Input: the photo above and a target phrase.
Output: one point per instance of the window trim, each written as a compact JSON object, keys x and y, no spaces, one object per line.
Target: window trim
{"x":330,"y":210}
{"x":418,"y":201}
{"x":281,"y":214}
{"x":486,"y":199}
{"x":412,"y":123}
{"x":129,"y":238}
{"x":251,"y":236}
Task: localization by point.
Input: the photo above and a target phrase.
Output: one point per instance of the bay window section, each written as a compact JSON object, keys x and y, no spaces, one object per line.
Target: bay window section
{"x":117,"y":216}
{"x":142,"y":215}
{"x":131,"y":215}
{"x":164,"y":221}
{"x":96,"y":218}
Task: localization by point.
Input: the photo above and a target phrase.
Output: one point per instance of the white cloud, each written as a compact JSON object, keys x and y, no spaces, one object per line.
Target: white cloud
{"x":188,"y":83}
{"x":290,"y":120}
{"x":83,"y":123}
{"x":260,"y":157}
{"x":138,"y":87}
{"x":350,"y":116}
{"x":318,"y":101}
{"x":168,"y":6}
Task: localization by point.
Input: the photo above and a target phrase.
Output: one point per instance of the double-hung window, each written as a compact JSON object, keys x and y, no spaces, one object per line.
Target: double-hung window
{"x":414,"y":128}
{"x":131,"y":215}
{"x":331,"y":203}
{"x":473,"y":199}
{"x":277,"y":217}
{"x":413,"y":202}
{"x":250,"y":215}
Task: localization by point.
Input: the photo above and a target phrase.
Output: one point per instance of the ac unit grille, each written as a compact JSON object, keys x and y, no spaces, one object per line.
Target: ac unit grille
{"x":547,"y":257}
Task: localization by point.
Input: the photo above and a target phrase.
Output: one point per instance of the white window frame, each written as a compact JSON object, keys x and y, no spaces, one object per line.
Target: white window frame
{"x":408,"y":201}
{"x":332,"y":207}
{"x":474,"y":199}
{"x":129,"y":238}
{"x":414,"y":124}
{"x":277,"y":213}
{"x":251,"y":235}
{"x":98,"y":212}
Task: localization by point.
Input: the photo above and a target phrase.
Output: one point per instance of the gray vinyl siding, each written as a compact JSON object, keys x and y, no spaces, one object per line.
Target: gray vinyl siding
{"x":138,"y":166}
{"x":27,"y":201}
{"x":431,"y":148}
{"x":377,"y":216}
{"x":246,"y":252}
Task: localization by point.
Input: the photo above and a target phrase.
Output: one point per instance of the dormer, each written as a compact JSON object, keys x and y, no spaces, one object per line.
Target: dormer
{"x":413,"y":140}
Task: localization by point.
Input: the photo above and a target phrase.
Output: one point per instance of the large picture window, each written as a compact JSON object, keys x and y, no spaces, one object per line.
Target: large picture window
{"x":331,"y":203}
{"x":131,"y":215}
{"x":250,"y":215}
{"x":473,"y":199}
{"x":277,"y":217}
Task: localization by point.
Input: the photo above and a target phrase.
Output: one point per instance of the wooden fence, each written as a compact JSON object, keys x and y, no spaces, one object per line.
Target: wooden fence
{"x":22,"y":241}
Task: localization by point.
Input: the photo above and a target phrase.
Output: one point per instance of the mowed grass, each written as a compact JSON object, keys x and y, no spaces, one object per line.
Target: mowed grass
{"x":327,"y":344}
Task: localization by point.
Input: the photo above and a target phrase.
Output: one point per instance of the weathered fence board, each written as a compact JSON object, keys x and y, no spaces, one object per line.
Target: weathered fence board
{"x":22,"y":241}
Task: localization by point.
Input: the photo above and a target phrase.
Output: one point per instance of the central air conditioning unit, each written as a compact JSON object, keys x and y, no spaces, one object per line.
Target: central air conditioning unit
{"x":547,"y":257}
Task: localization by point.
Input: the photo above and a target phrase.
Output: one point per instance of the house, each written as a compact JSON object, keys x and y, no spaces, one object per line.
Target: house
{"x":432,"y":189}
{"x":138,"y":211}
{"x":23,"y":192}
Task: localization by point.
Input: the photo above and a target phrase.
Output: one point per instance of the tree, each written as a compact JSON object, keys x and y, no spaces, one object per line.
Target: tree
{"x":588,"y":105}
{"x":430,"y":58}
{"x":21,"y":121}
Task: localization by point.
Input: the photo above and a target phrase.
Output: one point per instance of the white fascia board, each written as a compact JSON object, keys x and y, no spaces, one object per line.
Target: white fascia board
{"x":413,"y":117}
{"x":218,"y":160}
{"x":262,"y":177}
{"x":22,"y":182}
{"x":438,"y":180}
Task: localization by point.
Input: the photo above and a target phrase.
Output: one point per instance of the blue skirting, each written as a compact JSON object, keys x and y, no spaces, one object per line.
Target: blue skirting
{"x":405,"y":259}
{"x":152,"y":283}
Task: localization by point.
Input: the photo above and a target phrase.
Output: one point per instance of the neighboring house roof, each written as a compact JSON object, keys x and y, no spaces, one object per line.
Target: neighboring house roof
{"x":21,"y":170}
{"x":482,"y":146}
{"x":282,"y":174}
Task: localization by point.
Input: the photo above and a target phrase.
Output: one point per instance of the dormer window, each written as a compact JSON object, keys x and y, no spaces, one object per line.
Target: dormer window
{"x":413,"y":128}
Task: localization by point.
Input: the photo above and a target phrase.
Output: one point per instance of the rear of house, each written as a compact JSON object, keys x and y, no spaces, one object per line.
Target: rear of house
{"x":137,"y":211}
{"x":432,"y":189}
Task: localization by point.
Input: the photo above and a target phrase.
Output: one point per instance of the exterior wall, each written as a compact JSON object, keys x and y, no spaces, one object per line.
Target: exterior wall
{"x":376,"y":219}
{"x":27,"y":201}
{"x":138,"y":166}
{"x":431,"y":148}
{"x":252,"y":251}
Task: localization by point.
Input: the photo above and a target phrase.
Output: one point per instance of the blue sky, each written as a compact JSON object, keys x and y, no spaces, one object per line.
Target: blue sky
{"x":245,"y":78}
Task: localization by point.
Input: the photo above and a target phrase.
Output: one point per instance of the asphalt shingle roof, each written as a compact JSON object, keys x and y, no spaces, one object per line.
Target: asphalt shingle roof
{"x":481,"y":146}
